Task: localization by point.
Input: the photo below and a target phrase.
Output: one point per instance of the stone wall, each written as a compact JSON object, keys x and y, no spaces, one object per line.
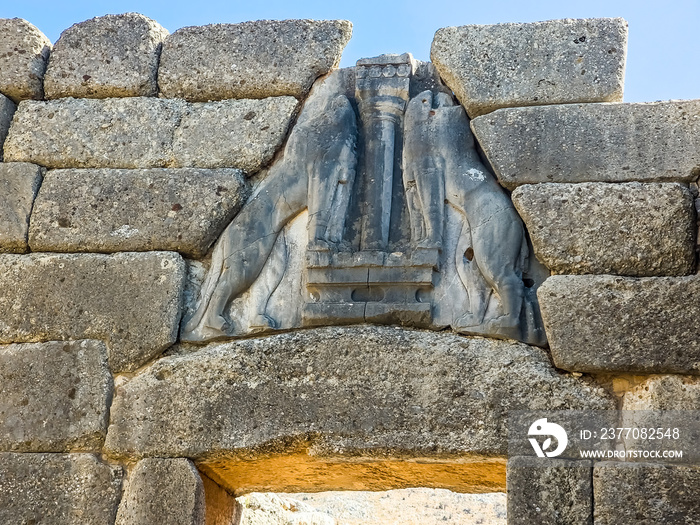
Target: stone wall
{"x":356,"y":362}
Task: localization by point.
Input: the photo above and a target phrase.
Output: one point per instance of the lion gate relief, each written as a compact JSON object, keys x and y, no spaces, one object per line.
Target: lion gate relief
{"x":380,"y":210}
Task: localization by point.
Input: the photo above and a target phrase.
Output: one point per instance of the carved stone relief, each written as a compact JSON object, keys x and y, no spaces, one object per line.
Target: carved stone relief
{"x":379,"y":210}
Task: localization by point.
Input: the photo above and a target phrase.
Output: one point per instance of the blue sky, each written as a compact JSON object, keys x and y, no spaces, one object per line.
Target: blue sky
{"x":663,"y":58}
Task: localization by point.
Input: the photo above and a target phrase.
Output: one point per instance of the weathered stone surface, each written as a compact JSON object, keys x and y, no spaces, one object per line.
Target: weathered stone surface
{"x":19,"y":183}
{"x":554,"y":62}
{"x":60,"y":489}
{"x":107,"y":56}
{"x":598,"y":323}
{"x":666,"y":402}
{"x":409,"y":506}
{"x":645,"y":494}
{"x":129,"y":300}
{"x":250,"y":60}
{"x":273,"y":509}
{"x":54,"y":397}
{"x":162,"y":491}
{"x":106,"y":210}
{"x":142,"y":132}
{"x":624,"y":229}
{"x":88,"y":133}
{"x":649,"y":142}
{"x":24,"y":52}
{"x":558,"y":493}
{"x":7,"y":110}
{"x":664,"y":393}
{"x":234,"y":133}
{"x":346,"y":388}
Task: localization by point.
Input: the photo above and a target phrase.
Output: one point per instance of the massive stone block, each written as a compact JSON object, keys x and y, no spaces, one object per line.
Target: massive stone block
{"x":554,"y":62}
{"x":129,"y":300}
{"x":649,"y":142}
{"x":88,"y":133}
{"x":602,"y":323}
{"x":162,"y":491}
{"x":368,"y":391}
{"x":7,"y":110}
{"x":54,"y":397}
{"x":645,"y":494}
{"x":19,"y":183}
{"x":624,"y":229}
{"x":107,"y":56}
{"x":142,"y":132}
{"x":241,"y":133}
{"x":24,"y":52}
{"x":105,"y":210}
{"x":60,"y":489}
{"x":250,"y":60}
{"x":551,"y":491}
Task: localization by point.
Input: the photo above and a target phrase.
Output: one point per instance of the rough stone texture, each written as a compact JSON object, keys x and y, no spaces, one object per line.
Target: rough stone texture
{"x":276,"y":509}
{"x":664,"y":393}
{"x":645,"y":494}
{"x":666,"y":402}
{"x":554,"y":62}
{"x":130,"y":300}
{"x":54,"y":397}
{"x":602,"y":323}
{"x":624,"y":229}
{"x":7,"y":110}
{"x":24,"y":51}
{"x":559,"y":493}
{"x":417,"y":506}
{"x":58,"y":489}
{"x":162,"y":491}
{"x":250,"y":60}
{"x":234,"y":133}
{"x":107,"y":56}
{"x":142,"y":132}
{"x":346,"y":388}
{"x":647,"y":142}
{"x":89,"y":133}
{"x":108,"y":210}
{"x":19,"y":183}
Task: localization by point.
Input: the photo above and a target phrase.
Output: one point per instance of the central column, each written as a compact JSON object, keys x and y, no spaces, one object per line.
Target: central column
{"x":382,"y":91}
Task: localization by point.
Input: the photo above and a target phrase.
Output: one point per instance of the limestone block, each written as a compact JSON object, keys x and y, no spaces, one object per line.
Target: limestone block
{"x":555,"y":62}
{"x":270,"y":509}
{"x":552,"y":491}
{"x":415,"y":505}
{"x":624,"y":229}
{"x":60,"y":489}
{"x":647,"y":142}
{"x":234,"y":133}
{"x":89,"y":133}
{"x":664,"y":393}
{"x":259,"y":59}
{"x":130,"y":300}
{"x":24,"y":52}
{"x":666,"y":402}
{"x":645,"y":494}
{"x":346,"y":388}
{"x":54,"y":397}
{"x":162,"y":491}
{"x":7,"y":110}
{"x":143,"y":132}
{"x":598,"y":323}
{"x":19,"y":183}
{"x":107,"y":56}
{"x":107,"y":210}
